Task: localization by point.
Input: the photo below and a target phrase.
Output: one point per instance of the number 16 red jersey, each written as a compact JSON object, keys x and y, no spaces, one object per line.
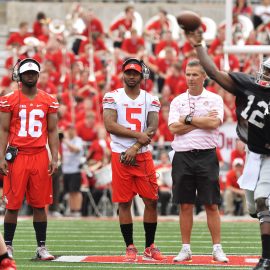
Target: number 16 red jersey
{"x":28,"y":125}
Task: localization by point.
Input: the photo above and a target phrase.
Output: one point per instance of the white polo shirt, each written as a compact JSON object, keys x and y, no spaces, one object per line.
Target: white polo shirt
{"x":181,"y":106}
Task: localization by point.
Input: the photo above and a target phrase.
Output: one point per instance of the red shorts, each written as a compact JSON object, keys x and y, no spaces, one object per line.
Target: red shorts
{"x":127,"y":181}
{"x":28,"y":174}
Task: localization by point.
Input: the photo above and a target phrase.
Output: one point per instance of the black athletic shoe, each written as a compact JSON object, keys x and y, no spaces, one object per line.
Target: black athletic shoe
{"x":263,"y":264}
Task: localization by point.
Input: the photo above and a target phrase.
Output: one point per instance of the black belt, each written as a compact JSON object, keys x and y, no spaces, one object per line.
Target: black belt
{"x":198,"y":150}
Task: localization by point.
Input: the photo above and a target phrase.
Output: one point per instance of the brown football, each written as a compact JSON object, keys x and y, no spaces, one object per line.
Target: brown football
{"x":188,"y":20}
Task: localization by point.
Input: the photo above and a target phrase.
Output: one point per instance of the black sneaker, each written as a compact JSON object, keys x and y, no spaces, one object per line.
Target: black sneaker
{"x":263,"y":264}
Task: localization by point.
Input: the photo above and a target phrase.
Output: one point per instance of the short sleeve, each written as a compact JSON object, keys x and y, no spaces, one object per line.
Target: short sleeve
{"x":109,"y":101}
{"x":174,"y":113}
{"x":155,"y":104}
{"x":5,"y":104}
{"x":220,"y":108}
{"x":53,"y":104}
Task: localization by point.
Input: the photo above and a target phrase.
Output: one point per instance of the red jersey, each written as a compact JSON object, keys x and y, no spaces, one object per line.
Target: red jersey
{"x":28,"y":125}
{"x":37,"y":29}
{"x":94,"y":26}
{"x":16,"y":38}
{"x":164,"y":43}
{"x":158,"y":26}
{"x":126,"y":24}
{"x":6,"y":81}
{"x":48,"y":88}
{"x":132,"y":45}
{"x":231,"y":179}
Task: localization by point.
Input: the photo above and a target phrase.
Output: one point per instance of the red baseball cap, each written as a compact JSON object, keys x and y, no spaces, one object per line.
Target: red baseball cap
{"x":133,"y":66}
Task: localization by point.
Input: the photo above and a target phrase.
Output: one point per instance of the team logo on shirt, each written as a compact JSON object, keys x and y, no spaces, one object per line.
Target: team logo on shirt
{"x":206,"y":103}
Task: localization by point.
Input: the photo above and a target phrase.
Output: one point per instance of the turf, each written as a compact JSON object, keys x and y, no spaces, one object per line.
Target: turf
{"x":102,"y":237}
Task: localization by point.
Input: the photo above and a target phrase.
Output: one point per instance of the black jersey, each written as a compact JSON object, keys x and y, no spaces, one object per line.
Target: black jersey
{"x":252,"y":110}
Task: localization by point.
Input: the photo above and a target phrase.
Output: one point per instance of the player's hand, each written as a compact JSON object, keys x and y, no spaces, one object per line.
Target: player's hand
{"x":3,"y":167}
{"x":143,"y":138}
{"x":130,"y":155}
{"x":53,"y":166}
{"x":195,"y":37}
{"x":212,"y":113}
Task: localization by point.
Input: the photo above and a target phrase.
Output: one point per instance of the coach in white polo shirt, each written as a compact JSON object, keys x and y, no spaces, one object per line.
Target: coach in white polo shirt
{"x":194,"y":119}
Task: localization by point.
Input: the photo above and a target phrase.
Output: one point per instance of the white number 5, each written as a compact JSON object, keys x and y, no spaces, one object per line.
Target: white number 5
{"x":34,"y":125}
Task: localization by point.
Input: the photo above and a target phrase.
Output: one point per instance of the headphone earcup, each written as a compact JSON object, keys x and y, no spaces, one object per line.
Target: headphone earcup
{"x":16,"y":76}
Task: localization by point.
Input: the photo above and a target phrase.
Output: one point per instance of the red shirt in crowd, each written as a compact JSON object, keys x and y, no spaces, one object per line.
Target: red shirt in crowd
{"x":95,"y":25}
{"x":132,"y":45}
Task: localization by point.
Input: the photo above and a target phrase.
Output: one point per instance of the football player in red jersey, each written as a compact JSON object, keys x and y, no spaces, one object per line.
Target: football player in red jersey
{"x":28,"y":120}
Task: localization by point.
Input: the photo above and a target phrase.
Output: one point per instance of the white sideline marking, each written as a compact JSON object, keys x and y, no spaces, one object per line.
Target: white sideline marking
{"x":70,"y":259}
{"x":251,"y":260}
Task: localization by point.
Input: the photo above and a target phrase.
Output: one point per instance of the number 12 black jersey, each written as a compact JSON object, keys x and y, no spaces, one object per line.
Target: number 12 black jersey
{"x":252,"y":110}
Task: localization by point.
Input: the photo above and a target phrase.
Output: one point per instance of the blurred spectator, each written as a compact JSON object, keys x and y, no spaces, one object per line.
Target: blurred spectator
{"x":216,"y":46}
{"x":17,"y":38}
{"x":238,"y":152}
{"x":122,"y":25}
{"x":166,"y":41}
{"x":164,"y":169}
{"x":156,"y":27}
{"x":99,"y":152}
{"x":41,"y":19}
{"x":45,"y":84}
{"x":262,"y":13}
{"x":234,"y":196}
{"x":175,"y":75}
{"x":232,"y":61}
{"x":93,"y":24}
{"x":86,"y":129}
{"x":242,"y":7}
{"x":6,"y":82}
{"x":229,"y":107}
{"x":163,"y":64}
{"x":132,"y":44}
{"x":72,"y":152}
{"x":164,"y":134}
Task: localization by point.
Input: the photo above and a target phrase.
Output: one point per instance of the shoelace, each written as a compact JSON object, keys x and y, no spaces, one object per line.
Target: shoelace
{"x":44,"y":252}
{"x":155,"y":251}
{"x":131,"y":250}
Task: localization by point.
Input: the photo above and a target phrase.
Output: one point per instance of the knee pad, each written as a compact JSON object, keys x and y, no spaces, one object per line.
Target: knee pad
{"x":264,"y":216}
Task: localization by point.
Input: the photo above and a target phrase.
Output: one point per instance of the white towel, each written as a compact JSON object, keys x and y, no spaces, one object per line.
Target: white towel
{"x":248,"y":180}
{"x":171,"y":155}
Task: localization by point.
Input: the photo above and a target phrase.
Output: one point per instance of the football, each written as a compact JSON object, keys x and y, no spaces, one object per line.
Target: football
{"x":188,"y":20}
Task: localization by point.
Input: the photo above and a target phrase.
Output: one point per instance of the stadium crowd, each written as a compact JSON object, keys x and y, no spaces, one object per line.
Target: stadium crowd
{"x":81,"y":61}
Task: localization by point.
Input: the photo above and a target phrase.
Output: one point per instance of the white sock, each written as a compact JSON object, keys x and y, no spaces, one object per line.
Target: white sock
{"x":186,"y":246}
{"x":216,"y":246}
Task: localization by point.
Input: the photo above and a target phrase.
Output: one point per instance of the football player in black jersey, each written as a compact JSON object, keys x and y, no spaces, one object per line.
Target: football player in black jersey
{"x":253,"y":127}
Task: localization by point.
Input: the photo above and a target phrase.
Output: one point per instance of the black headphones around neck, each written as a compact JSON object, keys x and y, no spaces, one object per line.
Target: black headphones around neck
{"x":145,"y":69}
{"x":16,"y":76}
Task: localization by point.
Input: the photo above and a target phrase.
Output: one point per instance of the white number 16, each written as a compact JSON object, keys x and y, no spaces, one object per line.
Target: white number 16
{"x":34,"y":125}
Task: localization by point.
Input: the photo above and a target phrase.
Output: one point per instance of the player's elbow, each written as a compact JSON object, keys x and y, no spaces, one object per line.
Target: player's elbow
{"x":173,"y":129}
{"x":214,"y":123}
{"x":108,"y":127}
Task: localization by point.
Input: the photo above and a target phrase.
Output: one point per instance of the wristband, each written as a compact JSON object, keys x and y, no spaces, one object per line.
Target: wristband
{"x":197,"y":45}
{"x":135,"y":146}
{"x":188,"y":119}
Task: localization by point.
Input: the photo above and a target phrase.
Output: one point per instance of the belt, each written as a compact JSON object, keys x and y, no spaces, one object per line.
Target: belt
{"x":198,"y":150}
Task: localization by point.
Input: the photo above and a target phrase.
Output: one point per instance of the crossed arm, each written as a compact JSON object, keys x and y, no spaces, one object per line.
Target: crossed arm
{"x":210,"y":121}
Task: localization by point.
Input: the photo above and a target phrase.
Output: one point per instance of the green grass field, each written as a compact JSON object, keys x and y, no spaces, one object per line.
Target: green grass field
{"x":102,"y":237}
